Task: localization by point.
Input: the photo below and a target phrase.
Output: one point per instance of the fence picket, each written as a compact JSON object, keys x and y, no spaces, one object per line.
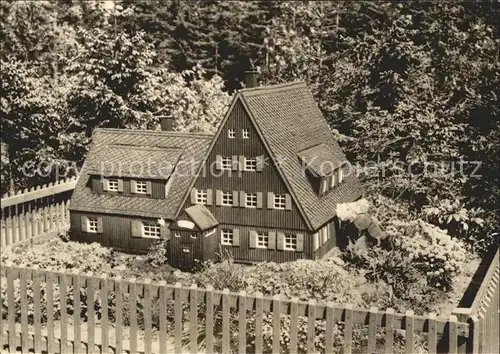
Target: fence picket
{"x":3,"y":231}
{"x":162,"y":299}
{"x":178,"y":318}
{"x":259,"y":316}
{"x":453,"y":334}
{"x":24,"y":309}
{"x":432,"y":334}
{"x":49,"y":290}
{"x":311,"y":324}
{"x":46,"y":223}
{"x":242,"y":322}
{"x":226,"y":310}
{"x":76,"y":312}
{"x":51,"y":216}
{"x":348,"y":329}
{"x":193,"y":318}
{"x":330,"y":323}
{"x":63,"y":297}
{"x":11,"y":314}
{"x":210,"y":320}
{"x":133,"y":315}
{"x":372,"y":329}
{"x":294,"y":313}
{"x":276,"y":323}
{"x":22,"y":224}
{"x":119,"y":290}
{"x":40,"y":222}
{"x":8,"y":228}
{"x":389,"y":330}
{"x":34,"y":221}
{"x":147,"y":316}
{"x":104,"y":314}
{"x":15,"y":226}
{"x":90,"y":313}
{"x":409,"y":330}
{"x":37,"y":312}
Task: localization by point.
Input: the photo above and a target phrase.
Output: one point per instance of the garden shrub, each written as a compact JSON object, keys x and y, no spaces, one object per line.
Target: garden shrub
{"x":157,"y":253}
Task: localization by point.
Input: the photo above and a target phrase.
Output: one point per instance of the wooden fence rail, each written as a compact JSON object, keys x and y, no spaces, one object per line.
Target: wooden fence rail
{"x":111,"y":314}
{"x":35,"y":212}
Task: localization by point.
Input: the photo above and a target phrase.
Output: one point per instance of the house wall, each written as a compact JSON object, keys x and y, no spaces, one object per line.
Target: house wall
{"x":116,"y":233}
{"x":331,"y":242}
{"x":157,"y":188}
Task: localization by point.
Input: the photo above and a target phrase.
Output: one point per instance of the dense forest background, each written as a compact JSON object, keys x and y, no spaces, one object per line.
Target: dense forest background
{"x":403,"y":85}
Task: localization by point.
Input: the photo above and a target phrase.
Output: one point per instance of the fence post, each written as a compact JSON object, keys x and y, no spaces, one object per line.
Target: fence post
{"x":226,"y":310}
{"x":464,"y":344}
{"x":311,"y":325}
{"x":147,"y":316}
{"x":193,"y":318}
{"x":432,"y":334}
{"x":37,"y":311}
{"x":453,"y":334}
{"x":76,"y":311}
{"x":409,"y":330}
{"x":242,"y":321}
{"x":11,"y":315}
{"x":177,"y":318}
{"x":259,"y":316}
{"x":348,"y":329}
{"x":210,"y":319}
{"x":119,"y":290}
{"x":162,"y":299}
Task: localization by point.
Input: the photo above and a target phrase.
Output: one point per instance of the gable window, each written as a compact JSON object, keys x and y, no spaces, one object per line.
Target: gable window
{"x":226,"y":163}
{"x":201,"y":197}
{"x":251,"y":200}
{"x":112,"y":185}
{"x":250,"y":164}
{"x":231,"y":134}
{"x":341,"y":175}
{"x":227,"y":199}
{"x":150,"y":229}
{"x":141,"y":187}
{"x":279,"y":201}
{"x":92,"y":225}
{"x":226,"y":237}
{"x":262,"y":240}
{"x":290,"y":242}
{"x":246,"y":134}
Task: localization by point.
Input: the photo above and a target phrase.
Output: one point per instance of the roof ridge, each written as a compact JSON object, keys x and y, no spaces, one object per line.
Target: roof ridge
{"x":144,"y":147}
{"x":155,"y":132}
{"x":277,"y":87}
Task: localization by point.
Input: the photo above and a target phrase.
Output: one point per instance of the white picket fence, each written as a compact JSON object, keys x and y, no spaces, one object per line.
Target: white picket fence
{"x":35,"y":212}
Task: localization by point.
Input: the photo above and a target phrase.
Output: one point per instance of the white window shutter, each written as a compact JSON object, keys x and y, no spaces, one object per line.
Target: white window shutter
{"x":209,"y":197}
{"x":259,"y":200}
{"x":133,"y":186}
{"x":235,"y":198}
{"x":136,"y":228}
{"x":235,"y":163}
{"x":218,"y":162}
{"x":149,"y":189}
{"x":281,"y":241}
{"x":242,"y":163}
{"x":300,"y":242}
{"x":260,"y":163}
{"x":236,"y":237}
{"x":120,"y":185}
{"x":218,"y":197}
{"x":99,"y":225}
{"x":272,"y":241}
{"x":105,"y":184}
{"x":242,"y":199}
{"x":84,"y":223}
{"x":288,"y":202}
{"x":270,"y":200}
{"x":253,"y":239}
{"x":194,"y":191}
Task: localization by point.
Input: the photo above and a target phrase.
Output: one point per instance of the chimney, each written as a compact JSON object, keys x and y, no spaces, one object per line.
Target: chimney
{"x":251,"y":77}
{"x":167,"y":123}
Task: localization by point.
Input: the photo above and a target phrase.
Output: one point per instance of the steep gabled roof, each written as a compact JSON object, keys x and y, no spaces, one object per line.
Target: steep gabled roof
{"x":188,"y":149}
{"x":289,"y":121}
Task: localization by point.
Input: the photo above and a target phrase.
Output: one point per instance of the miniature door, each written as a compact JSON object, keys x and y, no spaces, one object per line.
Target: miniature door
{"x":186,"y":258}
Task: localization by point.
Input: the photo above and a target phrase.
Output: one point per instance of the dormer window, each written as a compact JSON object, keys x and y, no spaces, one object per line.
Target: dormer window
{"x":246,"y":133}
{"x":231,"y":134}
{"x":141,"y":187}
{"x":112,"y":185}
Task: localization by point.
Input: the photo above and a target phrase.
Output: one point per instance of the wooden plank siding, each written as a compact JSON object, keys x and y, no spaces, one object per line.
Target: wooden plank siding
{"x":116,"y":232}
{"x":248,"y":181}
{"x":331,"y":242}
{"x":157,"y":188}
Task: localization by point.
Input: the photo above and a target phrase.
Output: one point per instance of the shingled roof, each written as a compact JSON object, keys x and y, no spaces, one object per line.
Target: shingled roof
{"x":289,"y":121}
{"x":161,"y":147}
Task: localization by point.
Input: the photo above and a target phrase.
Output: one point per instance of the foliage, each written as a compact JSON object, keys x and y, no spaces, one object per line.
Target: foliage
{"x":157,"y":253}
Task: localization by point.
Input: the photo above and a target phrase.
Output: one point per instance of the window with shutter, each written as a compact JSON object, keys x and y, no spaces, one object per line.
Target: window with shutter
{"x":226,"y":237}
{"x":112,"y":185}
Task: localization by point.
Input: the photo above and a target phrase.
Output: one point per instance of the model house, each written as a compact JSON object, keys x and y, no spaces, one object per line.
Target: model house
{"x":264,"y":188}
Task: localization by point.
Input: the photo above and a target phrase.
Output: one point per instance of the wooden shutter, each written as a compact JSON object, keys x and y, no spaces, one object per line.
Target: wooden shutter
{"x":288,"y":202}
{"x":165,"y":232}
{"x":84,"y":223}
{"x":270,"y":200}
{"x":235,"y":163}
{"x":260,"y":163}
{"x":316,"y":241}
{"x":99,"y":225}
{"x":235,"y":198}
{"x":105,"y":184}
{"x":325,"y":234}
{"x":300,"y":242}
{"x":120,"y":185}
{"x":281,"y":241}
{"x":209,"y":197}
{"x":149,"y":189}
{"x":272,"y":241}
{"x":218,"y":162}
{"x":218,"y":197}
{"x":236,"y":237}
{"x":133,"y":186}
{"x":259,"y":200}
{"x":242,"y":163}
{"x":253,"y":239}
{"x":136,"y":228}
{"x":242,"y":199}
{"x":193,"y":195}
